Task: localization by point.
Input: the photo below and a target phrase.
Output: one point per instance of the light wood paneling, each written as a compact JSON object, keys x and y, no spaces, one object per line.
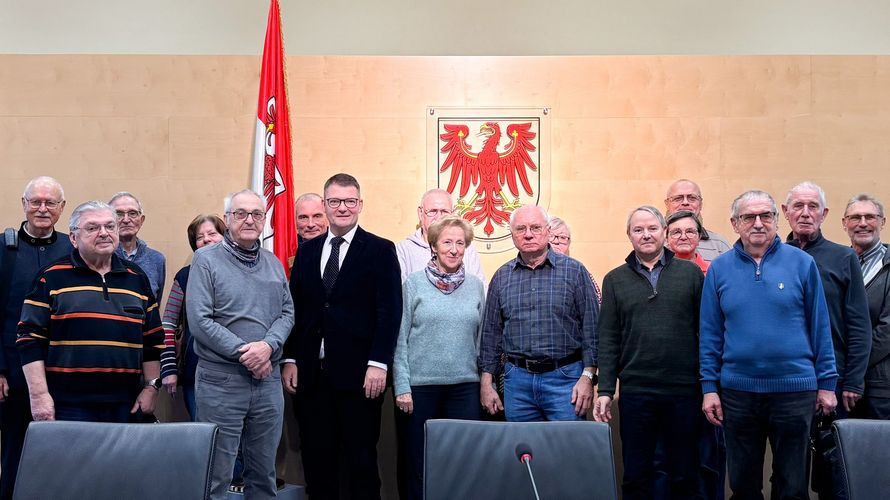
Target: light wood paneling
{"x":177,"y":131}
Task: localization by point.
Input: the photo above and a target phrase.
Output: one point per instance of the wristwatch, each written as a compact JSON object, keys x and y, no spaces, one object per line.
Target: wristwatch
{"x":592,"y":376}
{"x":155,"y":382}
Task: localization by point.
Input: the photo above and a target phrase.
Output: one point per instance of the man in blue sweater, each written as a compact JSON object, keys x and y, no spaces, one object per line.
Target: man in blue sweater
{"x":766,"y":355}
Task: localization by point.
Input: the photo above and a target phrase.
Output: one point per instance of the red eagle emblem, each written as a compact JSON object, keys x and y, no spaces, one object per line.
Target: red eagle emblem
{"x":488,"y":170}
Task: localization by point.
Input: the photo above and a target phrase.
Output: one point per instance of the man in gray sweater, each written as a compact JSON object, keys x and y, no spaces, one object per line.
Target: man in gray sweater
{"x":240,"y":313}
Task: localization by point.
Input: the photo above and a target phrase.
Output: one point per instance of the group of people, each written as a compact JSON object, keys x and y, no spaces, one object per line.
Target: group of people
{"x":709,"y":349}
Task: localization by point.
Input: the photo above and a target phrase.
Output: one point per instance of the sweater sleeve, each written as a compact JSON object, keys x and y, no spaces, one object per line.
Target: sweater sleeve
{"x":170,"y":322}
{"x":284,"y":323}
{"x":820,"y":329}
{"x":711,"y":334}
{"x":401,"y":372}
{"x":859,"y":328}
{"x":199,"y":311}
{"x":33,"y":328}
{"x":609,"y":339}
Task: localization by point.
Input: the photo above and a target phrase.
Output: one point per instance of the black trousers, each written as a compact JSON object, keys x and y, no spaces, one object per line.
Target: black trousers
{"x":15,"y":415}
{"x":339,"y":424}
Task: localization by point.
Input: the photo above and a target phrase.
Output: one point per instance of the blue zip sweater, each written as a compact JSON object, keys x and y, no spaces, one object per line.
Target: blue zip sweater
{"x":765,"y":328}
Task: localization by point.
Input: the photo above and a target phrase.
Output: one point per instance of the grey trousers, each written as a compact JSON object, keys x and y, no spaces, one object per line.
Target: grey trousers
{"x":247,"y":411}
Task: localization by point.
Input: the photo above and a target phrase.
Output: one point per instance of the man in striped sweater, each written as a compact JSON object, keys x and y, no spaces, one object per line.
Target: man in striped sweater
{"x":90,"y":329}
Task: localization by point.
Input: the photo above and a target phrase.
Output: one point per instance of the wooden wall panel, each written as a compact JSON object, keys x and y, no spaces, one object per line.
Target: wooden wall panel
{"x":177,"y":131}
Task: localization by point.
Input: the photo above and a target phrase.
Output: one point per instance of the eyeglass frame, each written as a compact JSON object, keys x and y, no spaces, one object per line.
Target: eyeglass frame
{"x":677,"y":232}
{"x":91,"y":231}
{"x":857,"y":218}
{"x":49,"y":204}
{"x":680,"y":198}
{"x":748,"y":219}
{"x":241,"y":215}
{"x":336,"y":202}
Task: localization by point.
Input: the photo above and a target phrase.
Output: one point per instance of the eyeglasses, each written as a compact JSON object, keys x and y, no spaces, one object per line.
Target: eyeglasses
{"x":435,"y":212}
{"x":560,"y":238}
{"x":677,"y":233}
{"x":348,"y":202}
{"x":535,"y":229}
{"x":765,"y":217}
{"x":49,"y":204}
{"x":129,"y":213}
{"x":856,"y":219}
{"x":91,"y":229}
{"x":240,"y":215}
{"x":692,"y":198}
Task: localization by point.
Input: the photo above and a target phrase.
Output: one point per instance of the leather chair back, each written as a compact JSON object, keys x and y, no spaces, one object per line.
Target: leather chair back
{"x":864,"y":447}
{"x":467,"y":459}
{"x":76,"y":460}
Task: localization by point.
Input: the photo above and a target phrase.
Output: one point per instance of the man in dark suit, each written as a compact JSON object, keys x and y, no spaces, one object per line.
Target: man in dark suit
{"x":348,"y":305}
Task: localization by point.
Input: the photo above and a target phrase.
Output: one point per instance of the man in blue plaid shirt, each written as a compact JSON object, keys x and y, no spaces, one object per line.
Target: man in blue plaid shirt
{"x":541,"y":314}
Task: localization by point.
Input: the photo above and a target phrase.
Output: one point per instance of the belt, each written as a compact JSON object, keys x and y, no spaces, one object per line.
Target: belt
{"x":544,"y":365}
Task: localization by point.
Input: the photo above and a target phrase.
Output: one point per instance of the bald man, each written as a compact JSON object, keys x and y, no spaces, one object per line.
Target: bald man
{"x":684,"y":194}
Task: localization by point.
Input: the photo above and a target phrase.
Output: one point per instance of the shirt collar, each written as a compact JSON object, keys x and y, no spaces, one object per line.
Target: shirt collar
{"x":548,"y":260}
{"x":661,"y":260}
{"x":347,"y":238}
{"x":877,"y":248}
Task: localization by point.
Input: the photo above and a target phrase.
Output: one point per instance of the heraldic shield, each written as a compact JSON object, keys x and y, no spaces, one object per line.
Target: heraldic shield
{"x":492,"y":161}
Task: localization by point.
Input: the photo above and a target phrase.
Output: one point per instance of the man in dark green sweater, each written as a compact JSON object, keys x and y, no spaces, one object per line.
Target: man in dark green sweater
{"x":648,"y":338}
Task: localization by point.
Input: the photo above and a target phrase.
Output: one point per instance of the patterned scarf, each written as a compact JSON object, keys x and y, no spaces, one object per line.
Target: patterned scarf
{"x":247,"y":257}
{"x":445,"y":282}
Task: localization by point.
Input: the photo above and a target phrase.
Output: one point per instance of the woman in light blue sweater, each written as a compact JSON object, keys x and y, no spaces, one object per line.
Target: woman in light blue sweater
{"x":434,"y":371}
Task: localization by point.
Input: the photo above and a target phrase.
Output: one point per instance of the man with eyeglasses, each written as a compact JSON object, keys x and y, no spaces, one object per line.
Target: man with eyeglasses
{"x":414,"y":251}
{"x":766,"y":356}
{"x":864,"y":220}
{"x":541,"y":313}
{"x":35,"y":244}
{"x":130,"y":217}
{"x":648,"y":338}
{"x":684,"y":194}
{"x":240,"y":313}
{"x":348,"y":301}
{"x":90,"y":331}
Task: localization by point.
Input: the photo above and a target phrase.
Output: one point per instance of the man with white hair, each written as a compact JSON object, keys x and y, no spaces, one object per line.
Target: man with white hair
{"x":25,"y":251}
{"x":541,"y":312}
{"x":130,"y":217}
{"x":805,"y":208}
{"x":311,"y":220}
{"x":414,"y":251}
{"x":240,"y":313}
{"x":90,"y":331}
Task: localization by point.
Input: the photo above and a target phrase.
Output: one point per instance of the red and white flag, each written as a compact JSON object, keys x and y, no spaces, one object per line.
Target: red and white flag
{"x":272,"y":174}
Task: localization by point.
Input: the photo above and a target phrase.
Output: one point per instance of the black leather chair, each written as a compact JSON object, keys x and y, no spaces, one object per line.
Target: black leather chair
{"x":864,"y":449}
{"x":467,"y":460}
{"x":77,"y":460}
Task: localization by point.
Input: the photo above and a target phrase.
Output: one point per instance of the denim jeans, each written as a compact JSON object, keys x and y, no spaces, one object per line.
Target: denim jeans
{"x":674,"y":421}
{"x":460,"y":401}
{"x":248,"y":412}
{"x":533,"y":397}
{"x":783,"y":418}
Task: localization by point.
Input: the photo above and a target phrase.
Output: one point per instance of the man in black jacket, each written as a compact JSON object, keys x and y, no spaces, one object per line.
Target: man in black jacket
{"x":805,"y":208}
{"x":648,"y":338}
{"x":25,"y":252}
{"x":863,"y":220}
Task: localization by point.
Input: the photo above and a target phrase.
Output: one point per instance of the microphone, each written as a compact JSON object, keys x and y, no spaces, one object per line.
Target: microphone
{"x":524,"y":454}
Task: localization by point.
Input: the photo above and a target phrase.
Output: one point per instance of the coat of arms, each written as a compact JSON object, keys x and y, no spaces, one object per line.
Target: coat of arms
{"x":491,"y":161}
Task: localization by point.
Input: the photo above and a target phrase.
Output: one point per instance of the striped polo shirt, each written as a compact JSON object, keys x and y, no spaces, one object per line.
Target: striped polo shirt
{"x":92,"y":332}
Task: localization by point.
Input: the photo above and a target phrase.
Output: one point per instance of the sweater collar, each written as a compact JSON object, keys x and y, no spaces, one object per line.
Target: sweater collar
{"x":117,"y":265}
{"x":740,"y":248}
{"x":816,"y":241}
{"x":634,"y":262}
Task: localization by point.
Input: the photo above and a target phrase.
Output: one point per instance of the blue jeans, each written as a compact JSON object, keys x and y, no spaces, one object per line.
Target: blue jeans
{"x":460,"y":401}
{"x":675,"y":422}
{"x":534,"y":397}
{"x":249,"y":413}
{"x":784,"y":418}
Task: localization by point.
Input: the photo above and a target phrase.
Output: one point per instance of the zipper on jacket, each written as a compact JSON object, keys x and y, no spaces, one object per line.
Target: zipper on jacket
{"x":104,"y":288}
{"x":757,"y":276}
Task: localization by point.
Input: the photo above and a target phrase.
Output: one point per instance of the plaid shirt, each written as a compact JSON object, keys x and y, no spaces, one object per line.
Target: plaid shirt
{"x":546,"y":313}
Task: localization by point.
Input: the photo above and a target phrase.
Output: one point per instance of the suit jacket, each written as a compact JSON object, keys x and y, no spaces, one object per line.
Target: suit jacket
{"x":359,"y":320}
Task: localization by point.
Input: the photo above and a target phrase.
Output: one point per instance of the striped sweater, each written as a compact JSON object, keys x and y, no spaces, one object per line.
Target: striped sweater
{"x":92,"y":332}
